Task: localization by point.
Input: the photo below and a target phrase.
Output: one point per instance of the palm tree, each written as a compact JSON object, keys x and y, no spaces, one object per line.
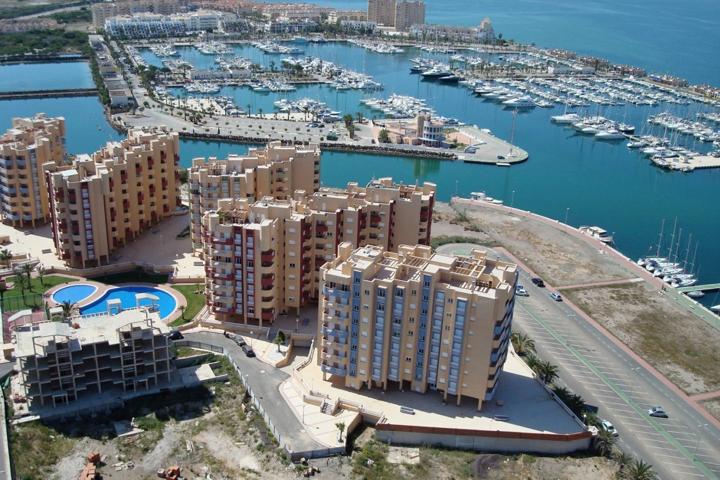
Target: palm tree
{"x":639,"y":470}
{"x":41,"y":274}
{"x":5,"y":256}
{"x":341,"y":428}
{"x":546,"y":371}
{"x":604,"y":443}
{"x":67,"y":309}
{"x":182,"y":311}
{"x":522,"y":344}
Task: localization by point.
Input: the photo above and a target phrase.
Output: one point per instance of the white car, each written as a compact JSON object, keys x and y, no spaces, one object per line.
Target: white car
{"x":609,"y":428}
{"x":520,"y":290}
{"x":657,"y":412}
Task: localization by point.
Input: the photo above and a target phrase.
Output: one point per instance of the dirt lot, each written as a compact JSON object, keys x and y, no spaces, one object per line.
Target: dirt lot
{"x":713,"y":406}
{"x":681,"y":346}
{"x":559,"y":258}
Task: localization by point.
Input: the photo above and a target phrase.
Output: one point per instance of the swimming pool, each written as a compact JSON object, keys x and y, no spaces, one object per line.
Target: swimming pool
{"x":74,"y":293}
{"x":126,"y":295}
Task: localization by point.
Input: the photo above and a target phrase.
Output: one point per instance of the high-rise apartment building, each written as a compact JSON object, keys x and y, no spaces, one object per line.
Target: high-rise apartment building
{"x":276,"y":171}
{"x":415,"y":320}
{"x":62,"y":362}
{"x":263,"y":259}
{"x":24,"y":148}
{"x":103,"y":201}
{"x":382,"y":12}
{"x":409,"y":13}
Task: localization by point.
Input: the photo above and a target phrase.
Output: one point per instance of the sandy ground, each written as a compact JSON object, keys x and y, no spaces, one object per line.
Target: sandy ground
{"x":544,"y":468}
{"x":559,"y":258}
{"x":681,"y":346}
{"x":713,"y":406}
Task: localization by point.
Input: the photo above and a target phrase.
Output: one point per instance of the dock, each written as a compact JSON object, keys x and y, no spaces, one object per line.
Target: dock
{"x":700,"y":288}
{"x":67,"y":92}
{"x":484,"y":147}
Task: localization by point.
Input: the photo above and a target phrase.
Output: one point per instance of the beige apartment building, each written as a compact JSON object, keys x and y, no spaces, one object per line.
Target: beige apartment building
{"x":102,"y":202}
{"x":409,"y":13}
{"x":87,"y":356}
{"x":276,"y":171}
{"x":104,"y":10}
{"x":382,"y":12}
{"x":24,"y":148}
{"x":415,"y":320}
{"x":263,"y":259}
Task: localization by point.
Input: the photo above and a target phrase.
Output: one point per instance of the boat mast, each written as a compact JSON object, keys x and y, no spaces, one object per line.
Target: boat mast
{"x":687,"y":252}
{"x":672,"y":239}
{"x":692,"y":263}
{"x":677,"y":245}
{"x":662,"y":228}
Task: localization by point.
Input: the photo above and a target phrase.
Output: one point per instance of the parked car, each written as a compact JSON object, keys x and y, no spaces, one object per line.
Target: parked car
{"x":248,"y":350}
{"x":538,"y":282}
{"x":657,"y":412}
{"x":609,"y":428}
{"x":520,"y":290}
{"x":556,"y":296}
{"x":239,"y":341}
{"x":176,"y":335}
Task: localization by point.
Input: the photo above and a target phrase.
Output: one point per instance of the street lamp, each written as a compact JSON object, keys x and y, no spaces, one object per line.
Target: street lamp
{"x":567,"y":212}
{"x":512,"y":199}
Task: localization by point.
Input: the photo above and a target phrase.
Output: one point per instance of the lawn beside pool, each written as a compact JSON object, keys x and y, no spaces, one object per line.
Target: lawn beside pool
{"x":195,"y":298}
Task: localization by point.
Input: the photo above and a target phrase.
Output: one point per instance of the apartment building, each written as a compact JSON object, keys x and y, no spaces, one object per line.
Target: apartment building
{"x":88,"y":356}
{"x":102,"y":202}
{"x":415,"y":320}
{"x":263,"y":259}
{"x":409,"y":13}
{"x":104,"y":10}
{"x":276,"y":170}
{"x":381,"y":12}
{"x":24,"y":148}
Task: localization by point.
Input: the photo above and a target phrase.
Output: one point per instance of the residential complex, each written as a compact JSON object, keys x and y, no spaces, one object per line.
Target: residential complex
{"x":276,"y":171}
{"x":62,"y":362}
{"x":409,"y":13}
{"x":24,"y":148}
{"x":400,"y":14}
{"x":149,"y":25}
{"x":104,"y":10}
{"x":101,"y":202}
{"x":484,"y":33}
{"x":118,"y":89}
{"x":415,"y":320}
{"x":263,"y":259}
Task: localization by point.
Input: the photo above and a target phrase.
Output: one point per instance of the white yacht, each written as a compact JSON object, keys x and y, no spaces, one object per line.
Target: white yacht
{"x":597,"y":233}
{"x":609,"y":134}
{"x":566,"y":118}
{"x":519,"y":102}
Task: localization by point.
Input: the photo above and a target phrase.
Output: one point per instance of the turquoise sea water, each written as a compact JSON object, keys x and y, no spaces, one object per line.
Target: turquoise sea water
{"x":666,"y":36}
{"x":41,"y":76}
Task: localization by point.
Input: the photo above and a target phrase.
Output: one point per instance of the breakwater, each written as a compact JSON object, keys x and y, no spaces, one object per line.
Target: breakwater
{"x":69,"y":92}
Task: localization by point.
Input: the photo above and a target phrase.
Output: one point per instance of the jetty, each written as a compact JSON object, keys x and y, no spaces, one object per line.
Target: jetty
{"x":709,"y":287}
{"x":65,"y":92}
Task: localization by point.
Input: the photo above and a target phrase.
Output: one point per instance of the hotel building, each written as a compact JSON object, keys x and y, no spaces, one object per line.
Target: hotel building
{"x":409,"y":13}
{"x":381,"y":12}
{"x":62,"y":362}
{"x":276,"y":171}
{"x":263,"y":259}
{"x":102,"y":202}
{"x":24,"y":148}
{"x":415,"y":320}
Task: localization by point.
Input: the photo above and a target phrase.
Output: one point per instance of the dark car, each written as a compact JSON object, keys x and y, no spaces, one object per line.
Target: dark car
{"x":176,"y":335}
{"x":248,"y":350}
{"x":239,"y":341}
{"x":538,"y":282}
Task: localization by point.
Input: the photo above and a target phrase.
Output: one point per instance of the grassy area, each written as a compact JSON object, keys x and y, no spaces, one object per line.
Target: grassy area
{"x":45,"y":42}
{"x":14,"y":300}
{"x":35,"y":447}
{"x":135,"y":276}
{"x":441,"y":240}
{"x":195,"y":298}
{"x":23,"y":10}
{"x":75,"y":16}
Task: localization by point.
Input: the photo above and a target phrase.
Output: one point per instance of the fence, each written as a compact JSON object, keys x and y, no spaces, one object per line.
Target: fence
{"x":16,"y":303}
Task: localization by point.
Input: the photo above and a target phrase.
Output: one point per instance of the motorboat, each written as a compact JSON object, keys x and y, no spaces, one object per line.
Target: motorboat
{"x":565,"y":119}
{"x":696,"y":294}
{"x":449,"y":79}
{"x":609,"y":134}
{"x":597,"y":233}
{"x":519,"y":102}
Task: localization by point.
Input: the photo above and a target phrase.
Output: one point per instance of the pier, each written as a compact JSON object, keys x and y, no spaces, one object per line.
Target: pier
{"x":67,"y":92}
{"x":709,"y":287}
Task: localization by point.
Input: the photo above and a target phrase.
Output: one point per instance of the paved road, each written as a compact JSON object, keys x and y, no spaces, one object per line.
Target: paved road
{"x":264,"y":381}
{"x":5,"y":467}
{"x":683,"y":446}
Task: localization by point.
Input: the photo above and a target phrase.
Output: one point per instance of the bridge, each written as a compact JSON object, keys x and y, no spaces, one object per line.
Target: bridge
{"x":700,"y":288}
{"x":67,"y":92}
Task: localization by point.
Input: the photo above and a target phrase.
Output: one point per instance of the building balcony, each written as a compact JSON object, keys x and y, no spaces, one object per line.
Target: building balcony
{"x":333,"y":370}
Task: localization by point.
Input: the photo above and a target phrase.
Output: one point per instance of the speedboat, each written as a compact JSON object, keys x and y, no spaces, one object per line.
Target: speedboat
{"x":696,"y":294}
{"x":715,"y":308}
{"x":519,"y":102}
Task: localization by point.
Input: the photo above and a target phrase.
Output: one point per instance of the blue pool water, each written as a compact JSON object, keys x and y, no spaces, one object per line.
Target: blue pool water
{"x":74,"y":293}
{"x":126,"y":295}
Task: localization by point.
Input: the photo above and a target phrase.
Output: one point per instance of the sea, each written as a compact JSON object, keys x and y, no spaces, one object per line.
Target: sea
{"x":567,"y":177}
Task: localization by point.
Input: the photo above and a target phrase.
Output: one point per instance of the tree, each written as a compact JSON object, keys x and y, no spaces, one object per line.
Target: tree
{"x":41,"y":271}
{"x":67,"y":309}
{"x":279,"y":339}
{"x":384,"y":136}
{"x":574,"y":402}
{"x":182,"y":311}
{"x":639,"y":470}
{"x":360,"y":117}
{"x":546,"y":371}
{"x":3,"y":289}
{"x":604,"y":443}
{"x":5,"y":256}
{"x":341,"y":428}
{"x":522,"y":344}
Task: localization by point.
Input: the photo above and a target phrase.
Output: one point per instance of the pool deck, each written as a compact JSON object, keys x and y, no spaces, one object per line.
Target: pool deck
{"x":102,"y":289}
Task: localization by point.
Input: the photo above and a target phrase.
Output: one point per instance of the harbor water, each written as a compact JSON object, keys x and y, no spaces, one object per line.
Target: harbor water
{"x":568,"y":176}
{"x":45,"y":76}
